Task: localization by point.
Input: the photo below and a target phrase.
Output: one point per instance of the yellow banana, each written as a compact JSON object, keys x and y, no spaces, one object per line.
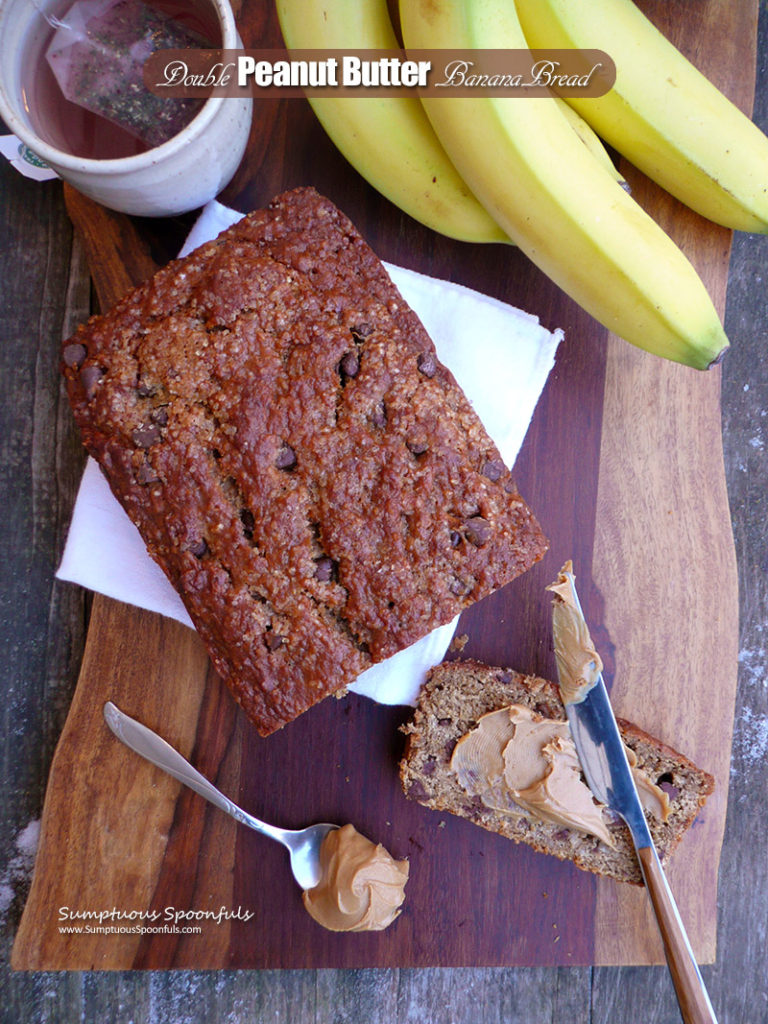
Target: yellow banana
{"x":564,"y":210}
{"x":388,"y":140}
{"x":591,"y":140}
{"x":662,"y":113}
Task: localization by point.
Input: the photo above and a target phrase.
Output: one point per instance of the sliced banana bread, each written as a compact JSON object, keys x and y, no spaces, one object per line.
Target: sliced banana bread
{"x":456,"y":696}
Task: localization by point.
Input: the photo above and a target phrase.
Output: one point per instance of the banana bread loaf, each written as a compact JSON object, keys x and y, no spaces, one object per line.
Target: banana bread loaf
{"x":316,"y":486}
{"x":453,"y":701}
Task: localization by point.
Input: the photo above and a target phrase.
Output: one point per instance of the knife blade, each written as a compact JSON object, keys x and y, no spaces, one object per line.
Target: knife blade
{"x":606,"y":768}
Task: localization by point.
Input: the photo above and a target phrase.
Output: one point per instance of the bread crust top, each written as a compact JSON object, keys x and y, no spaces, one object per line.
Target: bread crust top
{"x":275,"y":420}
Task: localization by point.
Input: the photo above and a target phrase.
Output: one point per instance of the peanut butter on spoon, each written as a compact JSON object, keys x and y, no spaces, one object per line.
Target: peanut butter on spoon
{"x":361,"y":888}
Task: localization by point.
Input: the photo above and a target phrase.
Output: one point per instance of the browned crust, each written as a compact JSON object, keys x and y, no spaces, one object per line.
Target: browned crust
{"x":315,"y":485}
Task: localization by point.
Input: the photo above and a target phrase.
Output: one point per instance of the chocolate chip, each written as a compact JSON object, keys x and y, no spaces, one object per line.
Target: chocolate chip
{"x":198,"y":548}
{"x":427,"y":364}
{"x":505,"y":677}
{"x":444,"y":721}
{"x":493,"y":469}
{"x":429,"y":766}
{"x":74,"y":355}
{"x":455,"y":538}
{"x":458,"y":587}
{"x":145,"y":390}
{"x":362,"y":330}
{"x":665,"y":782}
{"x":273,"y":641}
{"x":246,"y":518}
{"x":379,"y":415}
{"x":416,"y":791}
{"x":286,"y":457}
{"x":349,"y":365}
{"x":145,"y":436}
{"x":510,"y":487}
{"x":325,"y":569}
{"x":89,"y":378}
{"x":477,"y":531}
{"x":147,"y":475}
{"x":417,"y":447}
{"x":159,"y":416}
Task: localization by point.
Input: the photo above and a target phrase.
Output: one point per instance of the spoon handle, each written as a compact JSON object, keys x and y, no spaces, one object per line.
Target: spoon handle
{"x":153,"y":748}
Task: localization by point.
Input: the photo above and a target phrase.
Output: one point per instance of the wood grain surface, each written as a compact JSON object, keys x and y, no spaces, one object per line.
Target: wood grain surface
{"x":623,"y":464}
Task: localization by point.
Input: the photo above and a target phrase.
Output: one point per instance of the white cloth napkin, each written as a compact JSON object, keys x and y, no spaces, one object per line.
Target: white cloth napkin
{"x":500,"y":356}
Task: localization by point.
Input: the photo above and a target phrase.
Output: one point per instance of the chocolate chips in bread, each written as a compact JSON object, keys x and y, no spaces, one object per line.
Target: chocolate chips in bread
{"x":453,"y":700}
{"x":274,"y":419}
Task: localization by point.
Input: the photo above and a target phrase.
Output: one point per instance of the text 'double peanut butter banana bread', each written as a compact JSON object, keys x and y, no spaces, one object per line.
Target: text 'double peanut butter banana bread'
{"x":314,"y":483}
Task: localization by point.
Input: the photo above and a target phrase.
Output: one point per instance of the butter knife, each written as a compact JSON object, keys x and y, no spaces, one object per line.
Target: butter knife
{"x":606,"y":768}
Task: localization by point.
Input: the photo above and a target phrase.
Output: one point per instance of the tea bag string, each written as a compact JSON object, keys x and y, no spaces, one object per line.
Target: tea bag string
{"x":52,"y":20}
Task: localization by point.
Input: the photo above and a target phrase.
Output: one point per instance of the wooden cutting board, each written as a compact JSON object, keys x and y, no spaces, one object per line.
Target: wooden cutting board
{"x":623,"y":464}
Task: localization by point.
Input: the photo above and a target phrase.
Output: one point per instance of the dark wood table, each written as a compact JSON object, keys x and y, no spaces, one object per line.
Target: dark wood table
{"x":46,"y":291}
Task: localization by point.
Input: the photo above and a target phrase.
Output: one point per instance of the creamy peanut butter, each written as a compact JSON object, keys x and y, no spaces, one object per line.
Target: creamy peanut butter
{"x":578,"y":663}
{"x":579,"y":666}
{"x":652,"y":797}
{"x":520,"y":763}
{"x":557,"y":793}
{"x":361,"y":887}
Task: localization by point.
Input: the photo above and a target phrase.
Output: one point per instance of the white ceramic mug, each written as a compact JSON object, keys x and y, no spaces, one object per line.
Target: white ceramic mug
{"x":180,"y":175}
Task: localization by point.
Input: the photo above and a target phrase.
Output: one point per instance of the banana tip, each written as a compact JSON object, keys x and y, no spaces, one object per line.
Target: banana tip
{"x":719,"y":357}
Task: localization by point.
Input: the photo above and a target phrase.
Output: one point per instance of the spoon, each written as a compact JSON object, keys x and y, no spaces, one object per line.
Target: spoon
{"x":302,"y":844}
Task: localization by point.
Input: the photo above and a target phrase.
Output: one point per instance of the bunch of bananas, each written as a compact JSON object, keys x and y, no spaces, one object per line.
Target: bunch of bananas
{"x":533,"y":173}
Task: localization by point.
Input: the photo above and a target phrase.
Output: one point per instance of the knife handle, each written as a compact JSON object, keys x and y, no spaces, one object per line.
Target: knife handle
{"x":692,"y":996}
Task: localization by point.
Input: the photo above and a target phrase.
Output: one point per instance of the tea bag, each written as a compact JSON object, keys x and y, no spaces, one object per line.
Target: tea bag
{"x":97,"y":55}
